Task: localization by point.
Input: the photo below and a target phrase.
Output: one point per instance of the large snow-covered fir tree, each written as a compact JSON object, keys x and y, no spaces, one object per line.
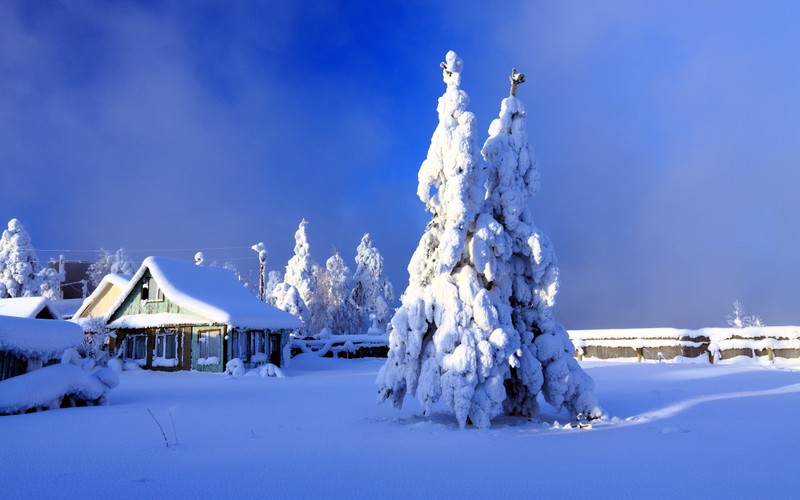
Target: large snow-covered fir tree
{"x":108,"y":263}
{"x":454,"y":336}
{"x":529,"y":280}
{"x":450,"y":339}
{"x":20,"y":272}
{"x":372,"y":291}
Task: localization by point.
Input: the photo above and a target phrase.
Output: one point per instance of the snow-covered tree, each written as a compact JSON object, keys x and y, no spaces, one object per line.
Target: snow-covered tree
{"x":300,"y":268}
{"x":372,"y":291}
{"x":287,"y":298}
{"x":451,"y":338}
{"x":338,"y":313}
{"x":740,"y":320}
{"x":456,"y":334}
{"x":20,"y":272}
{"x":108,"y":263}
{"x":528,"y":280}
{"x":273,"y":279}
{"x":50,"y":279}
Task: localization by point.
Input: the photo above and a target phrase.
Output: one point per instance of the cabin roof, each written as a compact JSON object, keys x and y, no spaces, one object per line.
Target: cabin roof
{"x":28,"y":307}
{"x":109,"y":281}
{"x":43,"y":339}
{"x":210,"y":292}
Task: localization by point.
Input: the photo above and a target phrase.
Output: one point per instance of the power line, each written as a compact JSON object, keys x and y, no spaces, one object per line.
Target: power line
{"x":195,"y":249}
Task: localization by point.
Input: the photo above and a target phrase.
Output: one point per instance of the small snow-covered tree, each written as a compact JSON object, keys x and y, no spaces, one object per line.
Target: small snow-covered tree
{"x":372,"y":291}
{"x":50,"y":279}
{"x":334,"y":296}
{"x":108,"y":263}
{"x":273,"y":279}
{"x":20,"y":272}
{"x":738,"y":319}
{"x":528,"y":279}
{"x":287,"y":298}
{"x":95,"y":340}
{"x":300,"y":268}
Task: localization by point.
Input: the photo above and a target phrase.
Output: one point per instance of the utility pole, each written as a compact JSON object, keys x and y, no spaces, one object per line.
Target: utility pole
{"x":262,"y":263}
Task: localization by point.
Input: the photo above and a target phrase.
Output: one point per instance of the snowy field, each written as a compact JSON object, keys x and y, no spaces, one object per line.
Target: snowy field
{"x":674,"y":430}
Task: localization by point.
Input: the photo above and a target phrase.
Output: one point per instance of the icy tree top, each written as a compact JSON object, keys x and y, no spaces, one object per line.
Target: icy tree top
{"x":515,"y":79}
{"x":451,"y":69}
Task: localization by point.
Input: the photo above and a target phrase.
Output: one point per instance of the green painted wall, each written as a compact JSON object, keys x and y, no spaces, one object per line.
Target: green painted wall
{"x":134,"y":304}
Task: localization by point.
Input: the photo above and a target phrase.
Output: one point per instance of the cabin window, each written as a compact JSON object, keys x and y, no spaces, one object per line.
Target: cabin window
{"x":150,"y":290}
{"x":208,"y":345}
{"x":258,"y":342}
{"x":136,"y":348}
{"x":166,"y":353}
{"x":239,"y":347}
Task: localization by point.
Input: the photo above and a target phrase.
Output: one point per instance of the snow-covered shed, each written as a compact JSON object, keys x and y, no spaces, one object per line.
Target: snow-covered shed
{"x":26,"y":344}
{"x":29,"y":307}
{"x":175,"y":315}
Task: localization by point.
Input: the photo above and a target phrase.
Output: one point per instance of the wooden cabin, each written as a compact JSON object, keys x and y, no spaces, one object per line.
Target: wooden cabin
{"x":175,"y":315}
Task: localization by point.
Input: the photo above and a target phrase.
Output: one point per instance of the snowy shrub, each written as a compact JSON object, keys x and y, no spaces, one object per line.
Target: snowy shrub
{"x":235,"y":367}
{"x":95,"y":341}
{"x":115,"y":364}
{"x":323,"y":334}
{"x":71,"y":357}
{"x":270,"y":370}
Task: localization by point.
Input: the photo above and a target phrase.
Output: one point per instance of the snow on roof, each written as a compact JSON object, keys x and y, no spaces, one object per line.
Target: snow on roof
{"x":785,"y":332}
{"x":109,"y":280}
{"x":43,"y":339}
{"x":67,"y":307}
{"x":26,"y":307}
{"x":211,"y":292}
{"x":155,"y":320}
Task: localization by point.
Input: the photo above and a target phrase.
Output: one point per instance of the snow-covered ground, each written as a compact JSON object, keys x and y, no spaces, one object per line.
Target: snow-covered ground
{"x":689,"y":430}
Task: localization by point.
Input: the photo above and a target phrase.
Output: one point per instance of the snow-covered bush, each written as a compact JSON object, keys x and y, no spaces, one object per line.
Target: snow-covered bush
{"x":234,"y":367}
{"x":270,"y":370}
{"x":95,"y":341}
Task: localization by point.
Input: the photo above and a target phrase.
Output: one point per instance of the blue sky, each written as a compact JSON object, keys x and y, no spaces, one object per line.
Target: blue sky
{"x":667,"y":135}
